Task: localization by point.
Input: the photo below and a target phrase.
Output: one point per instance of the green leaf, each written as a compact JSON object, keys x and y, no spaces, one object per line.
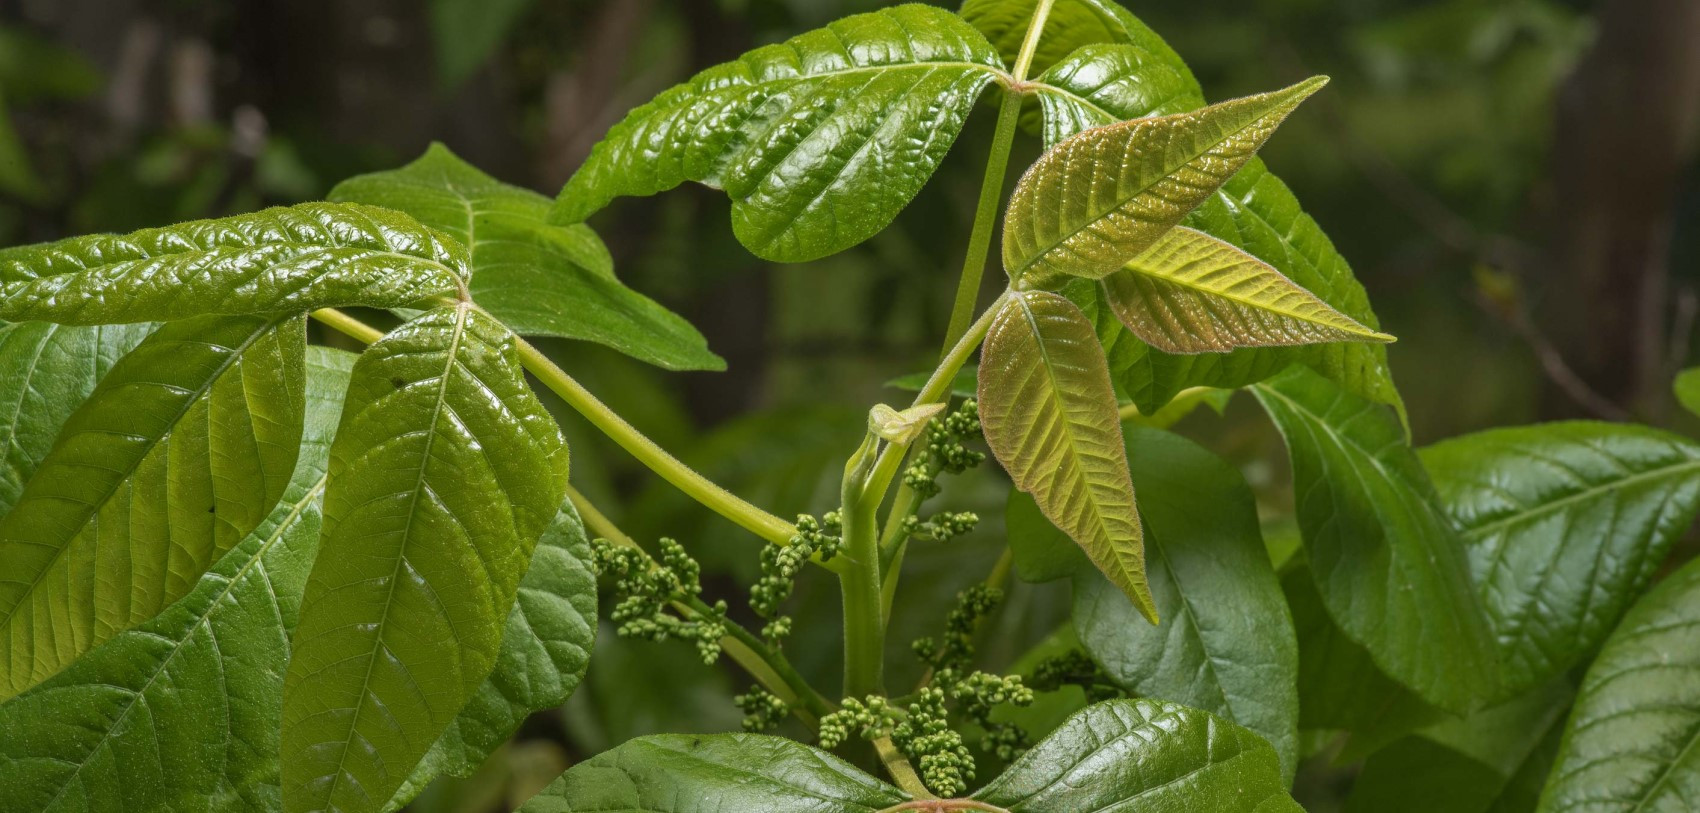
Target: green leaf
{"x":46,"y":372}
{"x":747,"y":773}
{"x":1039,"y":551}
{"x":1192,"y":293}
{"x":1687,"y":389}
{"x":1390,"y":568}
{"x":444,"y":472}
{"x":1144,"y":755}
{"x":34,"y":68}
{"x":963,"y":385}
{"x":1095,"y":201}
{"x":287,"y":259}
{"x":545,"y":650}
{"x":181,"y":713}
{"x":1565,"y":523}
{"x":538,"y":279}
{"x":466,"y":32}
{"x":1226,"y":645}
{"x":1633,"y":742}
{"x":1184,"y":403}
{"x":1071,"y":24}
{"x":1049,"y":415}
{"x":1129,"y":79}
{"x":178,"y":454}
{"x":18,"y":177}
{"x":819,"y":140}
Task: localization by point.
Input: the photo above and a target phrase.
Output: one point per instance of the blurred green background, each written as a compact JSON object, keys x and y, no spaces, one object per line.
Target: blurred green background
{"x":1514,"y":181}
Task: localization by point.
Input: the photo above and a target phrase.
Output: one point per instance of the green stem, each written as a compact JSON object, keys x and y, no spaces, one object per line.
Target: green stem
{"x":864,"y":621}
{"x":897,"y":765}
{"x":985,"y":218}
{"x":1030,"y":43}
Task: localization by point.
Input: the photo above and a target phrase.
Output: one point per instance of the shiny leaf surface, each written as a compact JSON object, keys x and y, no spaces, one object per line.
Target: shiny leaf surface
{"x":537,"y":278}
{"x":1070,"y":25}
{"x":819,"y":140}
{"x":1632,"y":745}
{"x":1098,"y":199}
{"x":1144,"y":755}
{"x":1388,"y":564}
{"x":180,"y":452}
{"x":444,"y":472}
{"x":1049,"y":415}
{"x":287,"y":259}
{"x":1565,"y":523}
{"x":1226,"y":643}
{"x":749,"y":773}
{"x":1192,"y":293}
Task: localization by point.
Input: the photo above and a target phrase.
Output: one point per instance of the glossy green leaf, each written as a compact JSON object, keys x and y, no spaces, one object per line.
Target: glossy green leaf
{"x":1632,"y":745}
{"x":46,"y":372}
{"x":819,"y":140}
{"x":180,"y":452}
{"x":1144,"y":755}
{"x":1192,"y":293}
{"x":1388,"y":564}
{"x":1098,"y":199}
{"x":537,"y":278}
{"x":1565,"y":523}
{"x":1049,"y":415}
{"x":1070,"y":25}
{"x":1687,"y":389}
{"x":1074,"y":93}
{"x":747,"y":773}
{"x":444,"y":472}
{"x":287,"y":259}
{"x":1226,"y":643}
{"x":181,"y":713}
{"x":545,"y":650}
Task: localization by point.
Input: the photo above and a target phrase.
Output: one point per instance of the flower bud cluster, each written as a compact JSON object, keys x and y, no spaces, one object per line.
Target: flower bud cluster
{"x":780,"y":565}
{"x":646,"y":590}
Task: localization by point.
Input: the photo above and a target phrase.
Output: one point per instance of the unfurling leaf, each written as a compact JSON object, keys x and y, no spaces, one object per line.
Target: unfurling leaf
{"x":819,"y":140}
{"x":444,"y":471}
{"x":1098,"y":199}
{"x":1192,"y":293}
{"x":179,"y":453}
{"x":1050,"y":417}
{"x":900,"y":426}
{"x":284,"y":260}
{"x":538,"y":278}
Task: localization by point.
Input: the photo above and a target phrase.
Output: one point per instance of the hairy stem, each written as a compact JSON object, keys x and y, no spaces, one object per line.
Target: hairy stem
{"x":897,"y":765}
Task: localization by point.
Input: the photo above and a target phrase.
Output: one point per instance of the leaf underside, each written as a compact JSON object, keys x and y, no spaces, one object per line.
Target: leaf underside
{"x":819,"y":140}
{"x":1050,"y":416}
{"x":444,"y":472}
{"x":180,"y":452}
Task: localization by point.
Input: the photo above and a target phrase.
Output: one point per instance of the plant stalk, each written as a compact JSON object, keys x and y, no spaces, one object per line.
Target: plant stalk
{"x":864,"y":618}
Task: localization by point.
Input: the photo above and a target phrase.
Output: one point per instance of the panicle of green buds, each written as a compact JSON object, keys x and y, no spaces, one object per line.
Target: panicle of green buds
{"x":941,"y":527}
{"x":647,"y":588}
{"x":939,"y":753}
{"x":957,"y":646}
{"x":978,"y":693}
{"x":762,"y":711}
{"x":867,"y":718}
{"x":1075,"y":668}
{"x":945,"y":450}
{"x":781,"y":563}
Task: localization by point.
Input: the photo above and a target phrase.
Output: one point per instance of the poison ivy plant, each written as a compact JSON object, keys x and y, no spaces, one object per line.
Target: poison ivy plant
{"x":1071,"y":24}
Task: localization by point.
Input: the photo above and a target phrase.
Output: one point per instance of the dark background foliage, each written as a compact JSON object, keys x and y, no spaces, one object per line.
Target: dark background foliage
{"x":1514,"y":181}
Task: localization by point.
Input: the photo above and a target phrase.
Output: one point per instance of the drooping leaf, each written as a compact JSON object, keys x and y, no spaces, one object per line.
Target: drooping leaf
{"x":819,"y":140}
{"x":748,"y":773}
{"x":1070,"y":25}
{"x":1632,"y":745}
{"x":1144,"y":755}
{"x":46,"y":372}
{"x":1126,"y":78}
{"x":1388,"y":564}
{"x":444,"y":472}
{"x":181,"y":713}
{"x":1098,"y":199}
{"x":1049,"y":415}
{"x":545,"y":650}
{"x":1226,"y":643}
{"x":1192,"y":293}
{"x":537,"y":278}
{"x":1565,"y":523}
{"x":1687,"y":389}
{"x":180,"y":452}
{"x":466,"y":32}
{"x":287,"y":259}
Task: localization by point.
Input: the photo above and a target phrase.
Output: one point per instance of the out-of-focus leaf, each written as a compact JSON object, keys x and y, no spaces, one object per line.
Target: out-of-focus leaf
{"x":964,"y":385}
{"x":287,"y":259}
{"x":444,"y":473}
{"x":180,"y":452}
{"x":1049,"y":415}
{"x":466,"y":32}
{"x":1226,"y":643}
{"x":1387,"y":562}
{"x":1192,"y":293}
{"x":34,"y":69}
{"x":181,"y":713}
{"x":1098,"y":199}
{"x":1632,"y":745}
{"x":819,"y":140}
{"x":1564,"y":524}
{"x":1070,"y":25}
{"x":18,"y":178}
{"x":537,"y":278}
{"x":1145,"y":753}
{"x":1687,"y":388}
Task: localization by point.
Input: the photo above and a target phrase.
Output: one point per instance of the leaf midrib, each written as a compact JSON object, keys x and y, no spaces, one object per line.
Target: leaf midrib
{"x":1477,"y":533}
